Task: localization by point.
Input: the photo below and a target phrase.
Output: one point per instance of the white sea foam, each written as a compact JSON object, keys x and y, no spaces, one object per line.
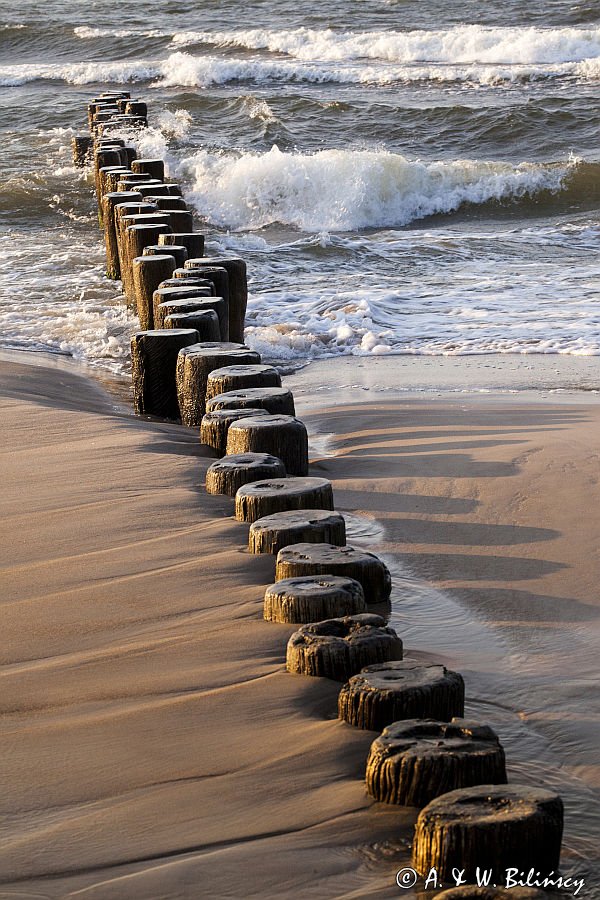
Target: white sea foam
{"x":181,"y":69}
{"x":461,"y":44}
{"x":341,"y":190}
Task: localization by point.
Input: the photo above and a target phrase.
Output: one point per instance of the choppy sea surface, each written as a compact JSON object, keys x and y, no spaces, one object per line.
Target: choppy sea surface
{"x":402,"y":177}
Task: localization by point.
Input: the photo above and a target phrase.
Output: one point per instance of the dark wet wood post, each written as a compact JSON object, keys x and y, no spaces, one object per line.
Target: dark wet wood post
{"x":193,"y":368}
{"x":153,"y":167}
{"x":327,"y":559}
{"x":168,"y":203}
{"x":82,"y":146}
{"x":205,"y":321}
{"x":265,"y":498}
{"x":109,"y":201}
{"x":238,"y":289}
{"x":153,"y":361}
{"x":136,"y":238}
{"x":312,"y":599}
{"x":490,"y":827}
{"x":193,"y":243}
{"x":218,"y":276}
{"x":339,"y":648}
{"x":293,"y":526}
{"x":178,"y":253}
{"x":137,"y":109}
{"x":105,"y":158}
{"x":181,"y":220}
{"x":155,"y":189}
{"x":386,"y":693}
{"x":227,"y":475}
{"x":415,"y":760}
{"x":282,"y":436}
{"x":276,"y":400}
{"x":120,"y":213}
{"x":147,"y":272}
{"x":188,"y":303}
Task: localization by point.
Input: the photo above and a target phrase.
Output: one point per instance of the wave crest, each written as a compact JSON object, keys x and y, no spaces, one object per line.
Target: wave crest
{"x":342,"y":190}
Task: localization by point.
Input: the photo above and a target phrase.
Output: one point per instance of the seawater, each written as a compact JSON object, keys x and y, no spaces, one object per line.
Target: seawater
{"x":402,"y":177}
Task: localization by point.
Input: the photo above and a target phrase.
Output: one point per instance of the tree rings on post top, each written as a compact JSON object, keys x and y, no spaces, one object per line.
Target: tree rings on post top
{"x":385,"y":693}
{"x":338,"y":648}
{"x":193,"y":368}
{"x":276,"y":400}
{"x":312,"y":599}
{"x":215,"y":425}
{"x":237,"y":378}
{"x":263,"y":498}
{"x":271,"y":533}
{"x":415,"y":760}
{"x":497,"y":827}
{"x":327,"y":559}
{"x":229,"y":474}
{"x":282,"y":436}
{"x":205,"y":321}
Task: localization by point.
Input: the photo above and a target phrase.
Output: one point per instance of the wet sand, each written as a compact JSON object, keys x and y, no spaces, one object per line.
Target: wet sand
{"x":153,"y":745}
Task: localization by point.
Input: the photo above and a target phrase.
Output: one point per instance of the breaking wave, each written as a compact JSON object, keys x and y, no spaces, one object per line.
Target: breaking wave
{"x":341,"y":190}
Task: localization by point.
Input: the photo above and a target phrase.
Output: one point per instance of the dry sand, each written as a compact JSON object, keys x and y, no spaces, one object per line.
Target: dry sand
{"x":152,"y":744}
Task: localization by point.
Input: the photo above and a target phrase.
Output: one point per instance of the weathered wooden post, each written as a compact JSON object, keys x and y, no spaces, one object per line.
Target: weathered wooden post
{"x":205,"y":321}
{"x":489,"y":827}
{"x":214,"y":426}
{"x":193,"y":242}
{"x":193,"y":367}
{"x":386,"y":693}
{"x":236,"y":378}
{"x":147,"y":273}
{"x":312,"y":599}
{"x":294,"y":526}
{"x":229,"y":474}
{"x":109,"y":202}
{"x":339,"y":648}
{"x":327,"y":559}
{"x":136,"y":237}
{"x":168,"y":203}
{"x":176,"y":304}
{"x":217,"y":274}
{"x":276,"y":400}
{"x":265,"y":498}
{"x":82,"y":146}
{"x":178,"y":253}
{"x":153,"y":361}
{"x":137,"y":109}
{"x":238,"y":289}
{"x":415,"y":760}
{"x":120,"y":212}
{"x":153,"y":167}
{"x":281,"y":436}
{"x":181,"y":220}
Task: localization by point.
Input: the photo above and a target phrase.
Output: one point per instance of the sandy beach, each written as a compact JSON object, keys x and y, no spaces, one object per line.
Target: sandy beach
{"x":153,"y":744}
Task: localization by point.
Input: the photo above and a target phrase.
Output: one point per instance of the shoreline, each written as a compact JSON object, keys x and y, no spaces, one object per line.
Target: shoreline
{"x":552,"y":376}
{"x":476,"y":504}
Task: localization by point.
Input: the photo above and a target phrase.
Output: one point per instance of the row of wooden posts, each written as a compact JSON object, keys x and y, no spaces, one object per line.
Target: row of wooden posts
{"x":190,"y":363}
